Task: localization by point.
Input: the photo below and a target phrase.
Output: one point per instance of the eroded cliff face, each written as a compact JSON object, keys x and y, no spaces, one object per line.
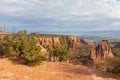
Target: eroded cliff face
{"x":72,"y":41}
{"x":101,"y":52}
{"x":45,"y":39}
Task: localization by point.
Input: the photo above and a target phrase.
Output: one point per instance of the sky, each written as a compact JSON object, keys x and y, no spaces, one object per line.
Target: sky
{"x":60,"y":15}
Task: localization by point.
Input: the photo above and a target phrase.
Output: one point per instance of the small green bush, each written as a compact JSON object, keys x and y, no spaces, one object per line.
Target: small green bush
{"x":60,"y":51}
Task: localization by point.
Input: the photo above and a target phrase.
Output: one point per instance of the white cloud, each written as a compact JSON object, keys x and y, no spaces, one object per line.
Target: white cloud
{"x":61,"y":8}
{"x":12,"y":0}
{"x":12,"y":9}
{"x":116,"y":23}
{"x":112,"y":26}
{"x":74,"y":12}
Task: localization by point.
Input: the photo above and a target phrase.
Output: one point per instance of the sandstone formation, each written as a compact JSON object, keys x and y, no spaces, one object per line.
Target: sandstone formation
{"x":72,"y":41}
{"x":101,"y":52}
{"x":47,"y":39}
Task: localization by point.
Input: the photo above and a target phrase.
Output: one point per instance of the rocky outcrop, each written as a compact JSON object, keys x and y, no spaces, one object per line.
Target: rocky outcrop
{"x":72,"y":41}
{"x":101,"y":52}
{"x":47,"y":39}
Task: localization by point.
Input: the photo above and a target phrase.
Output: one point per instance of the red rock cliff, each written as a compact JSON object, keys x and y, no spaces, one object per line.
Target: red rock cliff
{"x":102,"y":51}
{"x":46,"y":39}
{"x":72,"y":41}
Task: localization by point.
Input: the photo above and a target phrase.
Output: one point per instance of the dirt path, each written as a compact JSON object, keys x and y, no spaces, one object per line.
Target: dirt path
{"x":10,"y":70}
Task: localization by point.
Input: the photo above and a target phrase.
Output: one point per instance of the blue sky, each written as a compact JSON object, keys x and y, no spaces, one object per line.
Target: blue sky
{"x":60,"y":15}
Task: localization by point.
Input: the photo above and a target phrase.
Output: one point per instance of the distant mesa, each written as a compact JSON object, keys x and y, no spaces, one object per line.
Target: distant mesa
{"x":101,"y":52}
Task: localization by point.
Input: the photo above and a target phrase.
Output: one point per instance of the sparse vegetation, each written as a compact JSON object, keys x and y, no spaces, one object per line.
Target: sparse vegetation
{"x":114,"y":65}
{"x":116,"y":51}
{"x":84,"y":49}
{"x":59,"y":52}
{"x":26,"y":48}
{"x":83,"y":53}
{"x":23,"y":46}
{"x":111,"y":65}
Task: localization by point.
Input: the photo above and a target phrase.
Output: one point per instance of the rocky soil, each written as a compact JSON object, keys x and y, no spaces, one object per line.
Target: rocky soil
{"x":11,"y":69}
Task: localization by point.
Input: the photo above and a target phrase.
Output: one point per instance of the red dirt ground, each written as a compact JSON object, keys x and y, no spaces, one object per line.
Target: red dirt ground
{"x":11,"y":70}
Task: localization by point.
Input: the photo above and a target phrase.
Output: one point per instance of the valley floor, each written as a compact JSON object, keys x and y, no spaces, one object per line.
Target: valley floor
{"x":12,"y":70}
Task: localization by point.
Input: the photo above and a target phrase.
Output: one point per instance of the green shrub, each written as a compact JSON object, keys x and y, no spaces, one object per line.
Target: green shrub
{"x":23,"y":46}
{"x":30,"y":52}
{"x":102,"y":65}
{"x":60,"y":51}
{"x":84,"y":49}
{"x":82,"y":54}
{"x":116,"y":51}
{"x":111,"y":65}
{"x":6,"y":48}
{"x":114,"y":65}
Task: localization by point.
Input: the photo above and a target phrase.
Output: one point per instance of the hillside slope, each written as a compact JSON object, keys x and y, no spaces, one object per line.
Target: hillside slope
{"x":12,"y":70}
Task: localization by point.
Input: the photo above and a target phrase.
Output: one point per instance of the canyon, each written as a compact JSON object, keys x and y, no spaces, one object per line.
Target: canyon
{"x":12,"y":68}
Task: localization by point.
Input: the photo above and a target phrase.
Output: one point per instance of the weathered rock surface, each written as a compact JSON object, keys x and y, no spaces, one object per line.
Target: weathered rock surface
{"x":72,"y":41}
{"x":47,"y":39}
{"x":101,"y":52}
